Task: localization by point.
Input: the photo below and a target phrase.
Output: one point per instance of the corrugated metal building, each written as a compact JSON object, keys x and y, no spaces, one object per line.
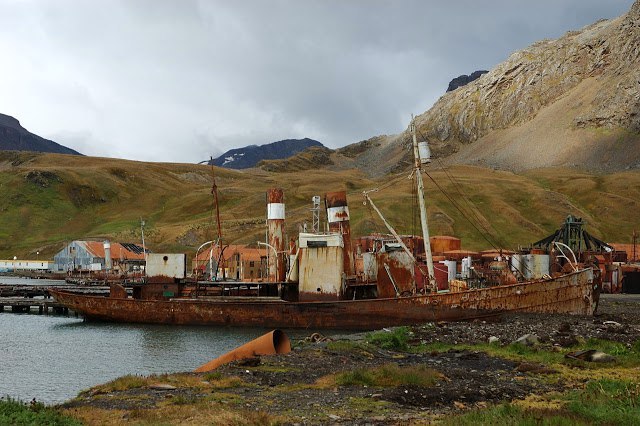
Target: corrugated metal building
{"x":239,"y":262}
{"x":90,"y":256}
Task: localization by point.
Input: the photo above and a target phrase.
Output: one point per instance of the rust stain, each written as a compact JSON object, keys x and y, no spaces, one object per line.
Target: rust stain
{"x":573,"y":293}
{"x":343,"y":226}
{"x":276,"y":238}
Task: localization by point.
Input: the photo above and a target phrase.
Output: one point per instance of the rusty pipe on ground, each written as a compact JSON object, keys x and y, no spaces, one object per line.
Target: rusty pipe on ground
{"x":274,"y":342}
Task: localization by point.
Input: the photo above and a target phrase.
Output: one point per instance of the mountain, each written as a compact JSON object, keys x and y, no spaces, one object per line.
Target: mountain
{"x":14,"y":137}
{"x":250,"y":156}
{"x":573,"y":101}
{"x":463,"y":80}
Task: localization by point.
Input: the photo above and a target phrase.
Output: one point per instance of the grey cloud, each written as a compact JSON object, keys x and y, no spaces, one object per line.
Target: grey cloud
{"x":178,"y":80}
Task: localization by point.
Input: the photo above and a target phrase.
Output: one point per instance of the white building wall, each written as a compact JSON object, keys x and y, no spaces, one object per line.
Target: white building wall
{"x":24,"y":265}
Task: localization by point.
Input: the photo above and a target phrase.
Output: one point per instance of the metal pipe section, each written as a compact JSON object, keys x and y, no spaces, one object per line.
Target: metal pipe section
{"x":338,"y":219}
{"x":272,"y":343}
{"x":275,"y":233}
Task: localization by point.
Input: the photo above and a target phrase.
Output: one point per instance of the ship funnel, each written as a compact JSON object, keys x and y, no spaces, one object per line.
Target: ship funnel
{"x":107,"y":256}
{"x":424,"y":152}
{"x":338,"y":218}
{"x":275,"y":234}
{"x":274,"y":342}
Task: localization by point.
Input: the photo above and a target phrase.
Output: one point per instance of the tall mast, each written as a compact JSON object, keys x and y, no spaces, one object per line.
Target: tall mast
{"x":417,"y":171}
{"x":214,"y":191}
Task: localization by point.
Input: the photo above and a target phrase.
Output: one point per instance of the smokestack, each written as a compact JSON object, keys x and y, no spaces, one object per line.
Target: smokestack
{"x":275,"y":232}
{"x":338,"y":218}
{"x":107,"y":255}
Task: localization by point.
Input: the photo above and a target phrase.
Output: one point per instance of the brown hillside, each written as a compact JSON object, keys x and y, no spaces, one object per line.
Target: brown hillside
{"x":49,"y":199}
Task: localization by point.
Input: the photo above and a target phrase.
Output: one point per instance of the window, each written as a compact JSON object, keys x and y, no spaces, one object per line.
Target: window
{"x":252,"y":264}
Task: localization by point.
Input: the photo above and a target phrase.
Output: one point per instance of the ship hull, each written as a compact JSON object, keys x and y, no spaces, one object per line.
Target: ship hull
{"x":573,"y":293}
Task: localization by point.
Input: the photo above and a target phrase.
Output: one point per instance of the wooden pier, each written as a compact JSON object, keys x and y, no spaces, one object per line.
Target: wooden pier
{"x":26,"y":298}
{"x":43,"y":291}
{"x":24,"y":305}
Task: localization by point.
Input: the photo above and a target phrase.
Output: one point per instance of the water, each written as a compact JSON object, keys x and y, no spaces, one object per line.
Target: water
{"x":52,"y":358}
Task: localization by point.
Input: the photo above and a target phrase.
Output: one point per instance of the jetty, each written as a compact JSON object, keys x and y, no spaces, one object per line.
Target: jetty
{"x":25,"y":304}
{"x":28,"y":298}
{"x":31,"y":291}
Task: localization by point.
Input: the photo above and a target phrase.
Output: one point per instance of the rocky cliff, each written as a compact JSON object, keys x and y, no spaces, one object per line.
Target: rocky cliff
{"x":570,"y":101}
{"x":464,"y":79}
{"x":14,"y":137}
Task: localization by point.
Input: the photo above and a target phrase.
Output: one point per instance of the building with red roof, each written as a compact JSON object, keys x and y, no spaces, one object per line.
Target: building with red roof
{"x":84,"y":255}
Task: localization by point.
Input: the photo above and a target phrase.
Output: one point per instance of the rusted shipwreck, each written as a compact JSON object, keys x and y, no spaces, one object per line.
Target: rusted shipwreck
{"x":327,"y":280}
{"x":571,"y":293}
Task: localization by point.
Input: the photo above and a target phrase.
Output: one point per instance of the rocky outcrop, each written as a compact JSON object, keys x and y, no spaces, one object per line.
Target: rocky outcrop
{"x":14,"y":137}
{"x":606,"y":53}
{"x":463,"y":80}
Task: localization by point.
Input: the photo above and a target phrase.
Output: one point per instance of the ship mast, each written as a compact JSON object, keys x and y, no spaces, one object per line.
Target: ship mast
{"x":417,"y":171}
{"x":214,"y":192}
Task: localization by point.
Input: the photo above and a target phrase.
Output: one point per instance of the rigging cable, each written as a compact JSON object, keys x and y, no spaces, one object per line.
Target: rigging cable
{"x":471,"y":208}
{"x":496,"y":241}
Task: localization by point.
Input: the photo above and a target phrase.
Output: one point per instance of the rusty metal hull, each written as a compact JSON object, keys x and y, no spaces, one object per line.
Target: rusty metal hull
{"x":573,"y":293}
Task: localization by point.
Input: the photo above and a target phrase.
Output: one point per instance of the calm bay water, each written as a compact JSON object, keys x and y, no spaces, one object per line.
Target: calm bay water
{"x":52,"y":358}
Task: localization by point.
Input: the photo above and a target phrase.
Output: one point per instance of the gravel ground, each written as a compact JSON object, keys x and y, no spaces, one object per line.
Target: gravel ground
{"x":286,"y":384}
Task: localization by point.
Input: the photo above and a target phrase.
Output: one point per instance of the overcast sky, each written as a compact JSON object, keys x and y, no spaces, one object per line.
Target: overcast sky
{"x":180,"y":80}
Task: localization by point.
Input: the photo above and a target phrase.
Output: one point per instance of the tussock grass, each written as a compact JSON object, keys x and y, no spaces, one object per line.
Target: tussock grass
{"x":181,"y":380}
{"x":121,"y":384}
{"x":389,"y":375}
{"x":397,"y":339}
{"x":344,"y":345}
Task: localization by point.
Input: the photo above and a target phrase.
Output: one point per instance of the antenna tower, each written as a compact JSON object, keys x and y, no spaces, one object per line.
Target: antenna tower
{"x":316,"y":213}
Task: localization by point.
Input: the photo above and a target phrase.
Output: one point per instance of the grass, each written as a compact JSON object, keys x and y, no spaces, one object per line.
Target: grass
{"x":103,"y":198}
{"x":14,"y":412}
{"x":181,"y":380}
{"x":397,"y":339}
{"x":603,"y":401}
{"x":123,"y":383}
{"x":389,"y":375}
{"x":608,"y":401}
{"x":205,"y":412}
{"x":625,"y":356}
